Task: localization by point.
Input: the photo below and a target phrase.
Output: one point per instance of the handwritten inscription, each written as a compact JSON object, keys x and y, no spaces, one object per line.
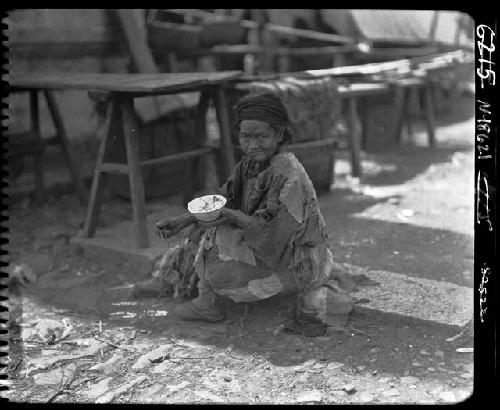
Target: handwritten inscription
{"x":483,"y":200}
{"x":486,"y":47}
{"x":483,"y":293}
{"x":483,"y":128}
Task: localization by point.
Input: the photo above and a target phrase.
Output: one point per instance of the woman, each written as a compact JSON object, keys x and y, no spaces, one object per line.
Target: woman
{"x":270,"y":238}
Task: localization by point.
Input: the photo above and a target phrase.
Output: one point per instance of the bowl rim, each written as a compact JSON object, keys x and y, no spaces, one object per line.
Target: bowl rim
{"x":204,"y":196}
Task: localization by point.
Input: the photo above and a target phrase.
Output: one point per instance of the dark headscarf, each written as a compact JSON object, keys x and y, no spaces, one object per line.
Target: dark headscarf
{"x":266,"y":107}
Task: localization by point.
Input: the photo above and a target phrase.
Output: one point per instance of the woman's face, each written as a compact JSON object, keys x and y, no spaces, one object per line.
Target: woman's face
{"x":258,"y":139}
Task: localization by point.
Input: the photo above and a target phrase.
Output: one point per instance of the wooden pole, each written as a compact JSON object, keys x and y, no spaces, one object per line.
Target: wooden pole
{"x":135,"y":175}
{"x":37,"y":158}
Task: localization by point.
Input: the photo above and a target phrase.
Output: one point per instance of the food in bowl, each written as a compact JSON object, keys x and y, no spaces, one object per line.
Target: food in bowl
{"x":207,"y":208}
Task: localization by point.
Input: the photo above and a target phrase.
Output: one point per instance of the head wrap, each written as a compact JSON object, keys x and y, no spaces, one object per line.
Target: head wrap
{"x":265,"y":107}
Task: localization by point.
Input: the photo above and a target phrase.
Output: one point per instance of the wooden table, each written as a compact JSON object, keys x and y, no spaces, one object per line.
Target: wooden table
{"x":352,"y":93}
{"x":424,"y":87}
{"x":32,"y":143}
{"x":122,"y":89}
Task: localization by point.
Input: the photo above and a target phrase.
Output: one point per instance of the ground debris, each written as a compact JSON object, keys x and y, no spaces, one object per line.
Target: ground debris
{"x":152,"y":356}
{"x":98,"y":389}
{"x":41,"y":363}
{"x":334,"y":365}
{"x":111,"y":395}
{"x":409,"y":380}
{"x":349,"y":388}
{"x":56,"y":376}
{"x":447,"y":397}
{"x":111,"y":365}
{"x":206,"y":395}
{"x":310,"y":396}
{"x":390,"y":393}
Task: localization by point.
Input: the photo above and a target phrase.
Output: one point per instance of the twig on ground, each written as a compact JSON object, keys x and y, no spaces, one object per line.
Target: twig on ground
{"x":63,"y":388}
{"x":234,"y":357}
{"x":111,"y":344}
{"x":13,"y":369}
{"x":359,"y":331}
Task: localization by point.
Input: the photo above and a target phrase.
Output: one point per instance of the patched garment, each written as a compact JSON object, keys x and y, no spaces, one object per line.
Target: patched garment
{"x":282,"y":250}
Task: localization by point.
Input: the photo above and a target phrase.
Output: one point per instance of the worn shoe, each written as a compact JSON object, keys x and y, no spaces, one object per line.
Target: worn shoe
{"x":148,"y":288}
{"x":188,"y":311}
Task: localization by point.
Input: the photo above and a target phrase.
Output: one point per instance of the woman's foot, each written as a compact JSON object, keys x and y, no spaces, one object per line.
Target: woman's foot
{"x":189,"y":311}
{"x":148,"y":288}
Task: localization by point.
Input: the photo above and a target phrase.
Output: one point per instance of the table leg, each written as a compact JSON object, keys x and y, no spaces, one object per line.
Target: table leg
{"x":37,"y":158}
{"x":200,"y":131}
{"x":364,"y":121}
{"x":66,"y":147}
{"x":429,"y":114}
{"x":354,"y":139}
{"x":402,"y":115}
{"x":96,"y":191}
{"x":135,"y":175}
{"x":225,"y":130}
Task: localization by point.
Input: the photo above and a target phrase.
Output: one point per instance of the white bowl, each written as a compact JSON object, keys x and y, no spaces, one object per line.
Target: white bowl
{"x":207,"y":208}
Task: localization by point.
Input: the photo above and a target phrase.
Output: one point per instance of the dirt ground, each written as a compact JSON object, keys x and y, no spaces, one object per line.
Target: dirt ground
{"x":412,"y":214}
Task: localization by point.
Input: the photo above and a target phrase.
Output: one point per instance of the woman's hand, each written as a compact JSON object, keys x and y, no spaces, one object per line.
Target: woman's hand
{"x":229,"y":217}
{"x":165,"y":228}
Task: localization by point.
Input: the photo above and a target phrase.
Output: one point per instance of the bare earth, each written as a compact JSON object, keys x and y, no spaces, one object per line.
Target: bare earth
{"x":412,"y":215}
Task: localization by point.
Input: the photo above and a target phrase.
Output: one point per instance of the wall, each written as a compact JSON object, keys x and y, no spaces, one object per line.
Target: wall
{"x":62,"y":40}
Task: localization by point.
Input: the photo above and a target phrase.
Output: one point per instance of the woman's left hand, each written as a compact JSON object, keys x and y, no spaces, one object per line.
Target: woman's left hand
{"x":229,"y":216}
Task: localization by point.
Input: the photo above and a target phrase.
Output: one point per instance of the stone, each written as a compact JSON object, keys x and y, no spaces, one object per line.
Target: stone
{"x":111,"y":395}
{"x":366,"y":397}
{"x":439,"y":353}
{"x":172,"y":389}
{"x":55,"y":377}
{"x":334,"y":365}
{"x":98,"y":389}
{"x":409,"y":380}
{"x":424,"y":352}
{"x":466,"y":375}
{"x":447,"y":397}
{"x":349,"y":389}
{"x":111,"y":365}
{"x":152,"y":356}
{"x":431,"y":369}
{"x":416,"y":364}
{"x":390,"y":393}
{"x":311,"y":396}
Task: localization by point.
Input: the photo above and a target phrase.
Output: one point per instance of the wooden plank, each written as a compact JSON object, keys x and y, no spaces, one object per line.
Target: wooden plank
{"x":135,"y":174}
{"x":136,"y":41}
{"x":116,"y":168}
{"x":96,"y":191}
{"x":181,"y":156}
{"x":402,"y":115}
{"x":120,"y":82}
{"x":363,"y":89}
{"x":200,"y":132}
{"x":225,"y":130}
{"x":429,"y":114}
{"x":354,"y":142}
{"x":113,"y":168}
{"x":66,"y":147}
{"x":274,"y":28}
{"x":37,"y":158}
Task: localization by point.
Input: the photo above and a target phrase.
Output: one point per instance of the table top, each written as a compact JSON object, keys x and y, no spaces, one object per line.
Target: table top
{"x":121,"y":82}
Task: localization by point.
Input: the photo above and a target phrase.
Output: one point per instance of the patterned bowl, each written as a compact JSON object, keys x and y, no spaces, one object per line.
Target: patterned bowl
{"x":207,"y":208}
